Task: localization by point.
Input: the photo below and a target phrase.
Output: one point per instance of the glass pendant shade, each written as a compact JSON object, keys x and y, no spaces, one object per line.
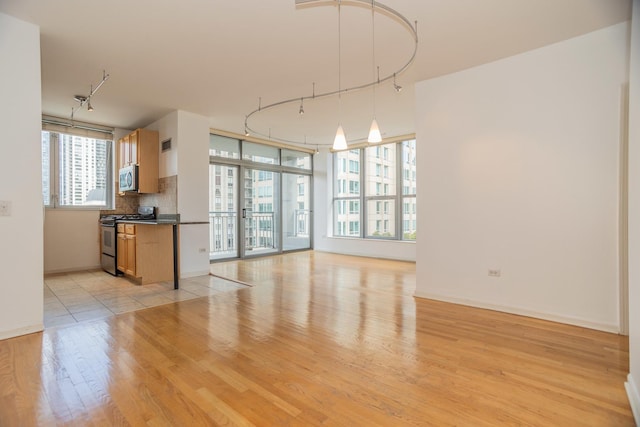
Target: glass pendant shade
{"x":374,"y":132}
{"x":340,"y":142}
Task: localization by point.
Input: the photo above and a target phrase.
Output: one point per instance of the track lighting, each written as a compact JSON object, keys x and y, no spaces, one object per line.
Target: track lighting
{"x":374,"y":132}
{"x":396,"y":86}
{"x":87,"y":99}
{"x":340,"y":142}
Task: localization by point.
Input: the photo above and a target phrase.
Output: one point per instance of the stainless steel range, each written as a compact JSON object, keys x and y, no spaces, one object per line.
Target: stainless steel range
{"x":108,"y":250}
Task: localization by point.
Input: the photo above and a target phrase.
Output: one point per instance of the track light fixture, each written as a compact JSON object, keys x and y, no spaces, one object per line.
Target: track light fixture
{"x":340,"y":140}
{"x":82,"y":100}
{"x":396,"y":86}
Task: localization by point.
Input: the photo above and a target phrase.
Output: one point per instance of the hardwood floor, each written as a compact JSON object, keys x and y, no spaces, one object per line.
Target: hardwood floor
{"x":320,"y":339}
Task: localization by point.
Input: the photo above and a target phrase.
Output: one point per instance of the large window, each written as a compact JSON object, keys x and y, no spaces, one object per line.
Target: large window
{"x":388,"y":177}
{"x":268,"y":206}
{"x":76,"y":171}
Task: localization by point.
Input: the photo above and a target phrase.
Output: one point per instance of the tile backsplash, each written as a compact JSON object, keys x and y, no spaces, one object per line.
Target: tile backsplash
{"x":166,"y":200}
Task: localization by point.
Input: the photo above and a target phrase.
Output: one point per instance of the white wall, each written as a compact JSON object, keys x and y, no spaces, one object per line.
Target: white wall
{"x":633,"y":380}
{"x":167,"y":128}
{"x":189,"y":159}
{"x":193,"y":193}
{"x":71,"y":240}
{"x":21,"y":246}
{"x":322,"y":222}
{"x":193,"y":167}
{"x":518,"y":170}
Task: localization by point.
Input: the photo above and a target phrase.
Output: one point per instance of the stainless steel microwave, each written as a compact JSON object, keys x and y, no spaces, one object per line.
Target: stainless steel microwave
{"x":128,"y":180}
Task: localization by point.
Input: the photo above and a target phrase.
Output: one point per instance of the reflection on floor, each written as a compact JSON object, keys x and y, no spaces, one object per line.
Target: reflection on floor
{"x":80,"y":296}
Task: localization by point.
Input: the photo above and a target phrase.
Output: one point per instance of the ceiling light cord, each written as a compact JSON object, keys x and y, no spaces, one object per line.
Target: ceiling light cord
{"x":340,"y":141}
{"x":374,"y":130}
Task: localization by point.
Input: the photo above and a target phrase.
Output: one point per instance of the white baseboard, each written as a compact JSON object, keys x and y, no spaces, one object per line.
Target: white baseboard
{"x":21,"y":331}
{"x":73,"y":269}
{"x":634,"y":397}
{"x":386,"y":256}
{"x":605,"y":327}
{"x":186,"y":275}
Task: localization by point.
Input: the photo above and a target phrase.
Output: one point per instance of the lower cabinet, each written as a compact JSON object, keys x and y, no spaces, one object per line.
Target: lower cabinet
{"x":126,"y":249}
{"x":145,"y":252}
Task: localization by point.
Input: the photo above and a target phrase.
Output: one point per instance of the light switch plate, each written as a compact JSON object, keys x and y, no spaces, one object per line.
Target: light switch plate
{"x":5,"y":208}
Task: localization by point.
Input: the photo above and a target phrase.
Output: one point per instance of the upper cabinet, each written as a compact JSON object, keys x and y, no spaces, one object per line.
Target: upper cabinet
{"x":140,"y":147}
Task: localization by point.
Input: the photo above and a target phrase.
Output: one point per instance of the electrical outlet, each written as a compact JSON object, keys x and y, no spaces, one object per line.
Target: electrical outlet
{"x":5,"y":208}
{"x":494,"y":273}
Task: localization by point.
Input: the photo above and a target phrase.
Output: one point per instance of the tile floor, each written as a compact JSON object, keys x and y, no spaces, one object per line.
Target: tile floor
{"x":88,"y":295}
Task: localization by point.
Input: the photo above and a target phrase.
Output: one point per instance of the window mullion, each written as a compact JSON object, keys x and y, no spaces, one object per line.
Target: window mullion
{"x":399,"y":195}
{"x":54,"y":167}
{"x":363,"y":189}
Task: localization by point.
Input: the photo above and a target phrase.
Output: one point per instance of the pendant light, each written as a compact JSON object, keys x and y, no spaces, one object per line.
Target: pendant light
{"x":340,"y":141}
{"x":374,"y":130}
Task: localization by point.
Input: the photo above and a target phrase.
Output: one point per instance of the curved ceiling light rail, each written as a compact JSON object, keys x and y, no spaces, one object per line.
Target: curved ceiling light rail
{"x":378,"y":7}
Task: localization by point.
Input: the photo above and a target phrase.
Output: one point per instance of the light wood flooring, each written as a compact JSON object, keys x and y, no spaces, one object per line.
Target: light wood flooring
{"x":320,"y":339}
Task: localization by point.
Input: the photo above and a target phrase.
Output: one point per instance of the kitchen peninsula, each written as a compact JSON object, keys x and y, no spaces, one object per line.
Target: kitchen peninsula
{"x":147,"y":251}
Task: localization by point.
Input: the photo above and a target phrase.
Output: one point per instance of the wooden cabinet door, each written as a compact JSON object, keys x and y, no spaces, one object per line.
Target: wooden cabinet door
{"x":133,"y":148}
{"x":125,"y":151}
{"x":121,"y":251}
{"x":131,"y":255}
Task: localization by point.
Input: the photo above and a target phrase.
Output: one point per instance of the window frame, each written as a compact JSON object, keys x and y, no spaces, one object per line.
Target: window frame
{"x":55,"y":168}
{"x":398,"y":195}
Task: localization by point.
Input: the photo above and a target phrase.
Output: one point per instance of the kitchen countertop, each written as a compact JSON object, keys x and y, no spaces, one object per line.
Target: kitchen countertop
{"x":147,"y":222}
{"x":160,"y":220}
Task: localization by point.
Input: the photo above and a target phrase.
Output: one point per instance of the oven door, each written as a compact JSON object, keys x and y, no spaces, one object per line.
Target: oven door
{"x":108,"y":240}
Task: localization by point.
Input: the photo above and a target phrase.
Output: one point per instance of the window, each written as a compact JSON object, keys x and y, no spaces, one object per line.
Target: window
{"x":354,"y":187}
{"x":387,"y":177}
{"x":295,"y":159}
{"x":354,"y":166}
{"x":354,"y":228}
{"x":409,"y":217}
{"x":76,"y":171}
{"x":222,"y":146}
{"x":260,"y":153}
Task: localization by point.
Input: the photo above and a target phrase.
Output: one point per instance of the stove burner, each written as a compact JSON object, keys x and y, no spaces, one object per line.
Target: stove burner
{"x":145,"y":213}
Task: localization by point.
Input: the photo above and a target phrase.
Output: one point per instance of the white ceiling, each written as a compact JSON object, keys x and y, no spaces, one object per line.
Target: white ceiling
{"x":217,"y":58}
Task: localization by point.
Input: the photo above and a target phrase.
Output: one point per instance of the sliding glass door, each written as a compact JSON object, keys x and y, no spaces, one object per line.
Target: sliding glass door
{"x":261,"y":212}
{"x":223,"y":211}
{"x":296,"y":211}
{"x":259,"y":199}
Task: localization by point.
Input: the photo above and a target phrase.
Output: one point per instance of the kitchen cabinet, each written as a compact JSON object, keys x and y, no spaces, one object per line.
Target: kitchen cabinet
{"x":145,"y":252}
{"x":141,"y":147}
{"x":126,"y":249}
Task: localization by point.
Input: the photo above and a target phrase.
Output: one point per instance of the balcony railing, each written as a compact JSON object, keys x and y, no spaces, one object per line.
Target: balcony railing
{"x":222,"y":233}
{"x":302,"y":218}
{"x":258,"y":232}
